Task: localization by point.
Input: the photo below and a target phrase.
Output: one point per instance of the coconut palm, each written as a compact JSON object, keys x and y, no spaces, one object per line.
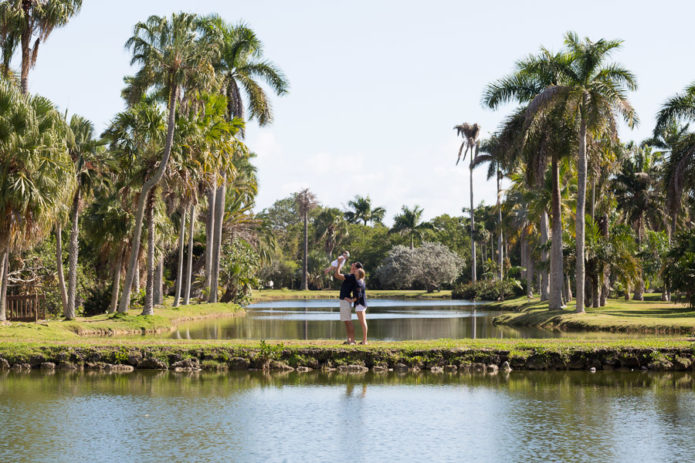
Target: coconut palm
{"x":306,"y":201}
{"x":593,"y":92}
{"x":24,"y":21}
{"x":362,"y":211}
{"x":470,"y":134}
{"x":174,"y":57}
{"x":408,"y":224}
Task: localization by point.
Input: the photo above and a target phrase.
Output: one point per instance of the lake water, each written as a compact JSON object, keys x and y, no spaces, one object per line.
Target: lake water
{"x":322,"y":417}
{"x":387,"y":319}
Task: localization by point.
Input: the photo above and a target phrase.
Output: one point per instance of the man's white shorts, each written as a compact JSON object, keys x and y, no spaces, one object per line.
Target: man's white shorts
{"x":360,"y":308}
{"x":345,"y":311}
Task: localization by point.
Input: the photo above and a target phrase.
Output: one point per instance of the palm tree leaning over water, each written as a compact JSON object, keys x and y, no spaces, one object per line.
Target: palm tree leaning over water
{"x":174,"y":56}
{"x":22,"y":22}
{"x":470,"y":134}
{"x":593,"y":93}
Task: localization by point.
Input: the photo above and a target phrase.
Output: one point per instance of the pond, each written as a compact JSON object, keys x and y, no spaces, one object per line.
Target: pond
{"x":387,"y":319}
{"x":329,"y":417}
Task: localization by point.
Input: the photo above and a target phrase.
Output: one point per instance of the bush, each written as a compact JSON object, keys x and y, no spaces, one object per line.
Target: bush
{"x":97,"y":301}
{"x":488,"y":290}
{"x":430,"y":265}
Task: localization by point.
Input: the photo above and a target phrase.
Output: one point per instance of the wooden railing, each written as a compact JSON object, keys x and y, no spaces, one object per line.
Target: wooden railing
{"x":26,"y":308}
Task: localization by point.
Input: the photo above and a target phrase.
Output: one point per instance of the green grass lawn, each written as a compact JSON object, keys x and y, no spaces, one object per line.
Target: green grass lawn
{"x":112,"y":325}
{"x":649,"y":316}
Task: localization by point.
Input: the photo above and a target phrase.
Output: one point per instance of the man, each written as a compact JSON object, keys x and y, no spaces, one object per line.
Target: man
{"x":346,"y":290}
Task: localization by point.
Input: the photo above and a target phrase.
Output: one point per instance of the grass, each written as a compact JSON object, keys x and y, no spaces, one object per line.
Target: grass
{"x":649,"y":316}
{"x":115,"y":324}
{"x":276,"y":294}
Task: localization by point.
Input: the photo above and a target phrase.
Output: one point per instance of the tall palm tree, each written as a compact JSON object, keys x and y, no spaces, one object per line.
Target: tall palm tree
{"x":408,"y":224}
{"x":38,"y":176}
{"x":362,"y":210}
{"x":306,"y":201}
{"x":83,"y":148}
{"x":536,"y":145}
{"x":240,"y":66}
{"x":636,"y":187}
{"x":593,"y":92}
{"x":24,"y":21}
{"x":174,"y":56}
{"x":470,"y":134}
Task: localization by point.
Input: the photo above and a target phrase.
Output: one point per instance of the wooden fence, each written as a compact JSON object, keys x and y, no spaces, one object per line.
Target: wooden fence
{"x":27,"y":308}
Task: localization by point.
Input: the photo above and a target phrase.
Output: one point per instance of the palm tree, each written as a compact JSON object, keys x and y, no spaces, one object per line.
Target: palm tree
{"x":83,"y":151}
{"x":240,"y":66}
{"x":37,"y":178}
{"x":362,"y":210}
{"x":639,"y":198}
{"x":593,"y":93}
{"x":535,"y":144}
{"x":174,"y":56}
{"x":22,"y":21}
{"x":470,"y":134}
{"x":331,"y":227}
{"x":408,"y":224}
{"x":306,"y":201}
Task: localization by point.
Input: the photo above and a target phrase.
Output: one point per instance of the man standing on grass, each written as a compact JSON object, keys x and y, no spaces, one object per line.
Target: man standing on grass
{"x":346,"y":290}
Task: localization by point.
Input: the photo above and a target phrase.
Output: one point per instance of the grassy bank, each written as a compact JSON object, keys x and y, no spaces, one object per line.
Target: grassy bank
{"x":164,"y":319}
{"x":443,"y":355}
{"x":278,"y":294}
{"x":649,"y":316}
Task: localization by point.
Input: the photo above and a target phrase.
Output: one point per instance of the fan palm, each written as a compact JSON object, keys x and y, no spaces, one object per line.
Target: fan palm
{"x":593,"y":92}
{"x":23,"y":20}
{"x":470,"y":134}
{"x":175,"y":56}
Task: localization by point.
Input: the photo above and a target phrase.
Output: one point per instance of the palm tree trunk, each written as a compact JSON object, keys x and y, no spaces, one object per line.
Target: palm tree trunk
{"x":569,"y":288}
{"x":605,"y":274}
{"x":209,"y":235}
{"x":638,"y":295}
{"x":474,"y":274}
{"x":544,"y":255}
{"x":137,"y":274}
{"x":146,"y":187}
{"x":217,"y":242}
{"x":179,"y":267}
{"x":189,"y":266}
{"x":115,"y":286}
{"x":4,"y":270}
{"x":499,"y":231}
{"x":556,"y":265}
{"x":581,"y":209}
{"x":73,"y":251}
{"x":305,"y":268}
{"x":26,"y":56}
{"x":59,"y":268}
{"x":148,"y":309}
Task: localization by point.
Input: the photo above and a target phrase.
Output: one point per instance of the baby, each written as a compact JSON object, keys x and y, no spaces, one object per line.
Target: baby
{"x":337,"y":263}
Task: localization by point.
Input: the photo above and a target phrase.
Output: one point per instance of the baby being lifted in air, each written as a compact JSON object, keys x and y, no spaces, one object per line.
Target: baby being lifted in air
{"x":338,"y":262}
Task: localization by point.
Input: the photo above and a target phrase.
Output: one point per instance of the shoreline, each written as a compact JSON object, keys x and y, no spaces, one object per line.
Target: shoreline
{"x":440,"y":356}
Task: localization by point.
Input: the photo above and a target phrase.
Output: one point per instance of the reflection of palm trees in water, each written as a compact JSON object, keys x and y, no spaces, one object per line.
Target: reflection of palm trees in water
{"x":473,"y":322}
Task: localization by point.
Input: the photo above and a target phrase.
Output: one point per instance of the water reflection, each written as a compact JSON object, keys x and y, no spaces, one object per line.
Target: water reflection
{"x":388,"y":320}
{"x":252,"y":416}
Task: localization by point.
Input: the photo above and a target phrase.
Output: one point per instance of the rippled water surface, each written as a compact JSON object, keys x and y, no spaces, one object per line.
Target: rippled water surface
{"x":388,"y":319}
{"x":252,"y":417}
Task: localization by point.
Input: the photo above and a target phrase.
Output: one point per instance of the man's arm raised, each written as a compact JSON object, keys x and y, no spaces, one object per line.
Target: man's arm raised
{"x":337,"y":273}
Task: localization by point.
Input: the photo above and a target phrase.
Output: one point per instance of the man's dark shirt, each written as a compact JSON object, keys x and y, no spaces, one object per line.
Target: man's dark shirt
{"x":348,"y":286}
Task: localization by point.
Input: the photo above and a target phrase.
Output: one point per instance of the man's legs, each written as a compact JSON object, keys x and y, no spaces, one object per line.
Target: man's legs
{"x":350,"y":329}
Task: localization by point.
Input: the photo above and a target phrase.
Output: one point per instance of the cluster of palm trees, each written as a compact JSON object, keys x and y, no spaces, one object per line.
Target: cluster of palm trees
{"x":177,"y":148}
{"x":560,"y":148}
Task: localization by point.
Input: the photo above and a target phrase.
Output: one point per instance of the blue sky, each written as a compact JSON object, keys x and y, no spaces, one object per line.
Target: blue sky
{"x":376,"y":87}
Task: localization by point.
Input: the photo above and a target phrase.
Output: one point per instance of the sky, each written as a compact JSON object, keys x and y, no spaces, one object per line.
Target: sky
{"x":376,"y":87}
